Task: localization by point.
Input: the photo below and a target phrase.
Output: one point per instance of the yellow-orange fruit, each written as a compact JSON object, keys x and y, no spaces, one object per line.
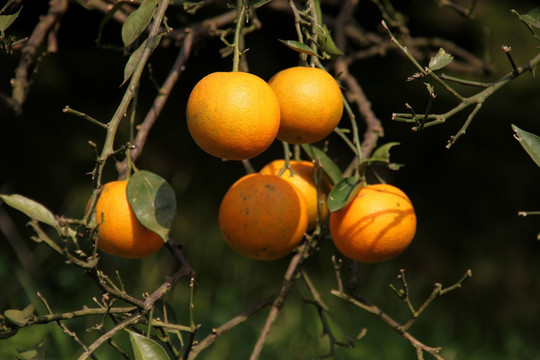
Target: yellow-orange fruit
{"x":263,"y":217}
{"x":378,"y":225}
{"x":120,"y":233}
{"x":233,"y":115}
{"x":302,"y":178}
{"x":310,"y":102}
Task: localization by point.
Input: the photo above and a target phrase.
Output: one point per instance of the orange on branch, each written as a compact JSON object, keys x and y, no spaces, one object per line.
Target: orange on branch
{"x":310,"y":102}
{"x":303,"y":179}
{"x":378,"y":225}
{"x":263,"y":217}
{"x":233,"y":115}
{"x":120,"y":233}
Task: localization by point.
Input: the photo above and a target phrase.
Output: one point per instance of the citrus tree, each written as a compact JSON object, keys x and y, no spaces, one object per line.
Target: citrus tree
{"x":251,"y":226}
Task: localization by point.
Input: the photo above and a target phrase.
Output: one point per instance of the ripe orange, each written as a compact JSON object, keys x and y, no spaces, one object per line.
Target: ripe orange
{"x":120,"y":233}
{"x":376,"y":226}
{"x":263,"y":217}
{"x":310,"y":101}
{"x":233,"y":115}
{"x":302,"y":178}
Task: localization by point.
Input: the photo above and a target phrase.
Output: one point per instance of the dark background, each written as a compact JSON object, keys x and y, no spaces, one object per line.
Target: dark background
{"x":466,"y":197}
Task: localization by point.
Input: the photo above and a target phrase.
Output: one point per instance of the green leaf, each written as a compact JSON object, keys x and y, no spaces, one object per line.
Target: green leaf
{"x":36,"y":352}
{"x":30,"y":208}
{"x":137,"y":21}
{"x":145,"y":348}
{"x":7,"y":20}
{"x":20,"y":317}
{"x":530,"y":142}
{"x":343,"y":193}
{"x":532,"y":17}
{"x":327,"y":43}
{"x":153,"y":201}
{"x":440,"y":60}
{"x":382,"y":153}
{"x":298,"y":46}
{"x":135,"y":57}
{"x":381,"y":156}
{"x":328,"y":166}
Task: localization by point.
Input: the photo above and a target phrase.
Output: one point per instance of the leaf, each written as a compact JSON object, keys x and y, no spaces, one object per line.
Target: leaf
{"x":145,"y":348}
{"x":298,"y":46}
{"x":381,"y":156}
{"x":532,"y":17}
{"x":36,"y":352}
{"x":343,"y":193}
{"x":135,"y":57}
{"x":328,"y":166}
{"x":327,"y":43}
{"x":20,"y":317}
{"x":530,"y":142}
{"x":440,"y":60}
{"x":7,"y":20}
{"x":153,"y":201}
{"x":137,"y":21}
{"x":382,"y":153}
{"x":30,"y":208}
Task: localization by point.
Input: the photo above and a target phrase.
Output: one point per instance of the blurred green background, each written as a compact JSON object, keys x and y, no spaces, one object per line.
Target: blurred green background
{"x":466,"y":198}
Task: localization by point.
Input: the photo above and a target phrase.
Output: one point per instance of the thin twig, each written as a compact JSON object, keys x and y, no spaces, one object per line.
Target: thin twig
{"x":69,"y":110}
{"x":375,"y":310}
{"x":302,"y":253}
{"x":29,"y":52}
{"x":355,"y":93}
{"x":465,"y":12}
{"x":133,"y":319}
{"x":159,"y":102}
{"x":220,"y":331}
{"x":108,"y":147}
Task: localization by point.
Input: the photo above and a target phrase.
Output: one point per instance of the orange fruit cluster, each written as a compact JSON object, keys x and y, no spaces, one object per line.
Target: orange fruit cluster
{"x":237,"y":115}
{"x":264,"y":216}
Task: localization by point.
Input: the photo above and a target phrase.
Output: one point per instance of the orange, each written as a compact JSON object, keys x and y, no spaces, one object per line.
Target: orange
{"x":310,"y":101}
{"x":233,"y":115}
{"x":302,"y":178}
{"x":378,"y":225}
{"x":120,"y":233}
{"x":263,"y":217}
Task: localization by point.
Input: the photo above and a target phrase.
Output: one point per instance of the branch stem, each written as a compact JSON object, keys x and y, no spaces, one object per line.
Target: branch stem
{"x":108,"y":147}
{"x":238,"y":33}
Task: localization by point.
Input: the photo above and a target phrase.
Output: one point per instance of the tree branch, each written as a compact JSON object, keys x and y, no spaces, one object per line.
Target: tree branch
{"x":355,"y":93}
{"x":159,"y":102}
{"x":29,"y":52}
{"x":218,"y":332}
